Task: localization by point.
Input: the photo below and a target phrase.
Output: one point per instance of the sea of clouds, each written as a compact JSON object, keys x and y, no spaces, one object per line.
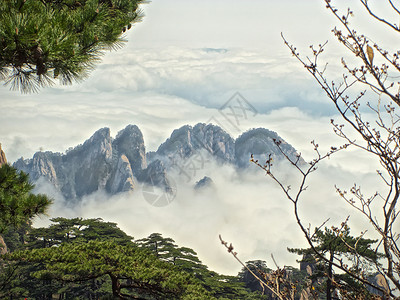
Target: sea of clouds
{"x":181,"y":65}
{"x":246,"y":207}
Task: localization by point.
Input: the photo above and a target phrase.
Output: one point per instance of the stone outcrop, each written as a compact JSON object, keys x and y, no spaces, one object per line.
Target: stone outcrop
{"x":204,"y":183}
{"x":130,"y":142}
{"x":80,"y":171}
{"x":3,"y":159}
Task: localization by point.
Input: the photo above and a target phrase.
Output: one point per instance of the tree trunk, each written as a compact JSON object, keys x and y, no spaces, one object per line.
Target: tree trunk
{"x":330,"y":278}
{"x":116,"y":286}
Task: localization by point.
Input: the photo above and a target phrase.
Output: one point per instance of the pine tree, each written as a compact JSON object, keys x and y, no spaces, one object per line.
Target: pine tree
{"x":17,"y":208}
{"x":76,"y":230}
{"x":44,"y":40}
{"x":162,"y":247}
{"x":134,"y":272}
{"x":90,"y":258}
{"x":185,"y":259}
{"x":17,"y":203}
{"x":337,"y":244}
{"x":258,"y":267}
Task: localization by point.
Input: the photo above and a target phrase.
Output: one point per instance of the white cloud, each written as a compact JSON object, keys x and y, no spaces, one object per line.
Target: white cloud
{"x":247,"y":209}
{"x":197,"y":74}
{"x":166,"y":77}
{"x":156,"y":91}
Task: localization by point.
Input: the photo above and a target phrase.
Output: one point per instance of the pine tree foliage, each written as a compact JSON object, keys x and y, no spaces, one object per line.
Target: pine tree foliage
{"x":93,"y":259}
{"x":59,"y":39}
{"x":166,"y":250}
{"x":336,"y":244}
{"x":258,"y":267}
{"x":78,"y":230}
{"x":133,"y":272}
{"x":18,"y":206}
{"x":186,"y":259}
{"x":17,"y":203}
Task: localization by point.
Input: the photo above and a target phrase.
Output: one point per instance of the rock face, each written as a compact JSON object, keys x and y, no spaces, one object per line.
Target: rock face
{"x":79,"y":172}
{"x":379,"y":281}
{"x":100,"y":163}
{"x":3,"y":159}
{"x":156,"y":174}
{"x":115,"y":165}
{"x":187,"y":140}
{"x":260,"y":143}
{"x":130,"y":143}
{"x":122,"y":178}
{"x":88,"y":167}
{"x":129,"y":159}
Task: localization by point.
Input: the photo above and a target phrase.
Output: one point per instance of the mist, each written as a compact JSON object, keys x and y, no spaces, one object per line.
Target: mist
{"x":246,"y":207}
{"x":182,"y":73}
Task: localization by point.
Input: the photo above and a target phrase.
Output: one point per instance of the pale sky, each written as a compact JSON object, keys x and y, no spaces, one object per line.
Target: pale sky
{"x":170,"y":58}
{"x":179,"y":66}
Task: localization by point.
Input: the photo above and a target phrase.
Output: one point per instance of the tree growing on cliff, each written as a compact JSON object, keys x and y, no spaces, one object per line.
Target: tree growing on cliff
{"x":45,"y":40}
{"x":337,"y":244}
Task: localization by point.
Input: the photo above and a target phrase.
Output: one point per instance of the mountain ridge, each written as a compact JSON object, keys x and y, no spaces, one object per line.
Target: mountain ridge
{"x":119,"y":164}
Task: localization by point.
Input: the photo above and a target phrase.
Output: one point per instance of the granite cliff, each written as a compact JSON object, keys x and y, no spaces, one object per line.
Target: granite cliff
{"x":117,"y":164}
{"x":100,"y":163}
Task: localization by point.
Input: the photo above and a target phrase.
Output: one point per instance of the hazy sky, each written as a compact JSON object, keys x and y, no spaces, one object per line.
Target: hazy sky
{"x":185,"y":58}
{"x":180,"y":65}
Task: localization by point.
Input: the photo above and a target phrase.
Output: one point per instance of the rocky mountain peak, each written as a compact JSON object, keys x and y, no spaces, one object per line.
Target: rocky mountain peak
{"x":122,"y":179}
{"x":178,"y":143}
{"x":215,"y":140}
{"x":186,"y":140}
{"x":100,"y":143}
{"x":129,"y":142}
{"x":260,"y":143}
{"x":43,"y":166}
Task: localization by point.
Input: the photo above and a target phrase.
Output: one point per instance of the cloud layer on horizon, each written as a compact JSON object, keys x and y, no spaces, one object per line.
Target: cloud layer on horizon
{"x":157,"y":92}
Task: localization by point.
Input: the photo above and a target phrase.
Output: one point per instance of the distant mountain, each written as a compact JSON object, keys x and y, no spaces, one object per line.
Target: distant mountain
{"x":187,"y":141}
{"x":260,"y":143}
{"x":100,"y":163}
{"x":116,"y":165}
